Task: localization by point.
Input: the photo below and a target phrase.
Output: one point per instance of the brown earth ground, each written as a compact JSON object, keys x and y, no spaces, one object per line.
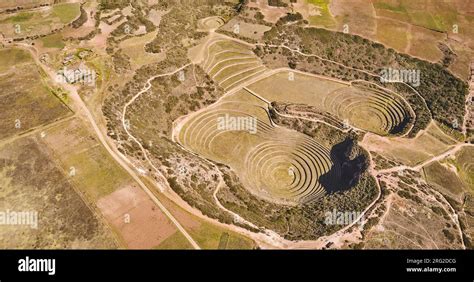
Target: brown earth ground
{"x":141,"y":224}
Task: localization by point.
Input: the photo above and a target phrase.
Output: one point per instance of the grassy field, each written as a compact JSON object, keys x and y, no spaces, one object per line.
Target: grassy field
{"x":13,"y":56}
{"x":177,"y":241}
{"x":209,"y":236}
{"x":107,"y":187}
{"x":29,"y":102}
{"x":38,"y":21}
{"x":423,"y":44}
{"x":392,"y":33}
{"x":324,"y":17}
{"x":66,"y":12}
{"x":432,"y":15}
{"x":53,"y":41}
{"x":430,"y":21}
{"x":206,"y":234}
{"x":412,"y":151}
{"x":31,"y":182}
{"x":465,"y":166}
{"x":461,"y":66}
{"x":78,"y":150}
{"x":447,"y":180}
{"x":359,"y":17}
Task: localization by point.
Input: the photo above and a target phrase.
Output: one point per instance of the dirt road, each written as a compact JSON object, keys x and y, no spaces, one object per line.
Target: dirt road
{"x":84,"y":112}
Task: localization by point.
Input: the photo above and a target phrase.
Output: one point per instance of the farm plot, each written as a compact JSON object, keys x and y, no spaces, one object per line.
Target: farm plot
{"x":392,"y":33}
{"x":276,"y":164}
{"x":230,"y":63}
{"x":31,"y":182}
{"x":359,"y":17}
{"x":206,"y":234}
{"x":79,"y":154}
{"x":370,"y":109}
{"x":107,"y":187}
{"x":424,"y":43}
{"x":141,"y":224}
{"x":322,"y":15}
{"x":435,"y":15}
{"x":38,"y":21}
{"x":444,"y":177}
{"x":26,"y":101}
{"x":453,"y":176}
{"x":428,"y":143}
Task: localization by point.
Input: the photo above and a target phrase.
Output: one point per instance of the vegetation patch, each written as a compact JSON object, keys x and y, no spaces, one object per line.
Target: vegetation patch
{"x":29,"y":102}
{"x":31,"y":182}
{"x":338,"y":50}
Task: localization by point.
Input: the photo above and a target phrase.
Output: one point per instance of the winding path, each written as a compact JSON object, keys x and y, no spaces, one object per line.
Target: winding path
{"x":119,"y":158}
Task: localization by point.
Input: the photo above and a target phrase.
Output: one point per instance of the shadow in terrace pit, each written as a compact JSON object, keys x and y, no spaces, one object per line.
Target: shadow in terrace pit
{"x":349,"y":164}
{"x":401,"y":127}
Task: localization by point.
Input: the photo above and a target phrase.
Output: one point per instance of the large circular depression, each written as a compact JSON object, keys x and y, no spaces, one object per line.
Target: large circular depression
{"x":274,"y":163}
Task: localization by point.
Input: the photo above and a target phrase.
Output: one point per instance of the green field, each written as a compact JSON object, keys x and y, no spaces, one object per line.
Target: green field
{"x":95,"y":171}
{"x":38,"y":21}
{"x":53,"y":41}
{"x":325,"y":18}
{"x":411,"y":151}
{"x":32,"y":182}
{"x":66,"y":12}
{"x":435,"y":15}
{"x":209,"y":236}
{"x":445,"y":179}
{"x":393,"y":34}
{"x":177,"y":241}
{"x":27,"y":101}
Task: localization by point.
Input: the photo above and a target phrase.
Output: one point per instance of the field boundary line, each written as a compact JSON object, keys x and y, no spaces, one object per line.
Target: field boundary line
{"x":342,"y":65}
{"x":150,"y":194}
{"x":119,"y":158}
{"x":36,"y":129}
